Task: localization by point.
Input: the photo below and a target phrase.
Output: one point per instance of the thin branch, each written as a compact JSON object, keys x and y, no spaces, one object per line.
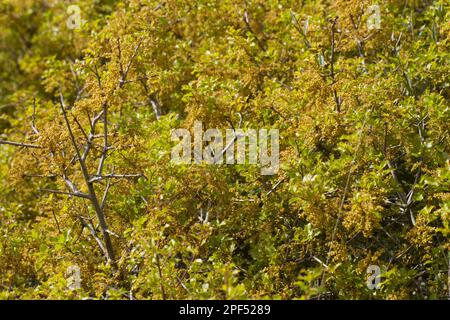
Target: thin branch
{"x":50,"y":176}
{"x":275,"y":186}
{"x":155,"y":108}
{"x":133,"y":56}
{"x":92,"y":135}
{"x":219,"y":156}
{"x":105,"y":194}
{"x":56,"y":220}
{"x":152,"y":100}
{"x":78,"y":194}
{"x":20,"y":144}
{"x":404,"y":199}
{"x":92,"y":195}
{"x":94,"y":235}
{"x":105,"y":139}
{"x":163,"y":291}
{"x":320,"y":261}
{"x":70,"y":184}
{"x":119,"y":57}
{"x":346,"y":188}
{"x":258,"y":41}
{"x":81,"y":128}
{"x":300,"y":31}
{"x":115,"y":176}
{"x":336,"y":98}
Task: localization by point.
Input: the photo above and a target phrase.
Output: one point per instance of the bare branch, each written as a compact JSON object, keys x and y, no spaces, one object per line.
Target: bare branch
{"x":81,"y":128}
{"x":133,"y":56}
{"x":300,"y":31}
{"x":406,"y":200}
{"x":105,"y":194}
{"x":119,"y":57}
{"x":70,"y":184}
{"x":94,"y":235}
{"x":155,"y":108}
{"x":249,"y":28}
{"x":116,"y":176}
{"x":20,"y":144}
{"x":92,"y":195}
{"x":161,"y":279}
{"x":105,"y":140}
{"x":92,"y":135}
{"x":275,"y":186}
{"x":337,"y":99}
{"x":50,"y":176}
{"x":78,"y":194}
{"x":56,"y":220}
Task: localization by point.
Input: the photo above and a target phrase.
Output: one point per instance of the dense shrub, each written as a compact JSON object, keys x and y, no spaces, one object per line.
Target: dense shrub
{"x":363,"y":115}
